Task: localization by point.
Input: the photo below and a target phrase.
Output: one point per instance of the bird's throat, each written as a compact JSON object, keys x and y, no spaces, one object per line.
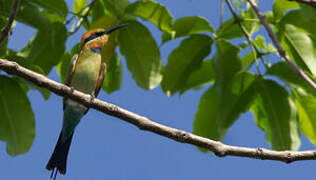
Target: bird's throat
{"x":96,"y":50}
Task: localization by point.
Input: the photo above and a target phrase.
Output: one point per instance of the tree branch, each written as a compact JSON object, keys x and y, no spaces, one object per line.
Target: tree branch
{"x":144,"y":123}
{"x":308,"y":2}
{"x":5,"y":30}
{"x":254,"y":49}
{"x":277,"y":44}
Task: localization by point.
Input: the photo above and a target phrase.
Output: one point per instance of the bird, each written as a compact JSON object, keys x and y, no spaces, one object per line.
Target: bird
{"x":86,"y":73}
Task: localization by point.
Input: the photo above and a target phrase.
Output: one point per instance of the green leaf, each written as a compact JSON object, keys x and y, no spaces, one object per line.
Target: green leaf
{"x":47,"y":48}
{"x":230,"y":28}
{"x":152,"y":11}
{"x":283,"y":71}
{"x":299,"y":47}
{"x":142,"y":55}
{"x":99,"y":11}
{"x":215,"y":113}
{"x":306,"y":107}
{"x":280,"y":124}
{"x":260,"y":42}
{"x":79,"y":5}
{"x":200,"y":77}
{"x":226,"y":64}
{"x":53,"y":17}
{"x":304,"y":18}
{"x":186,"y":26}
{"x":231,"y":95}
{"x":116,"y":7}
{"x":206,"y":124}
{"x":238,"y":5}
{"x":12,"y":55}
{"x":17,"y":125}
{"x":247,"y":61}
{"x":27,"y":14}
{"x":183,"y":61}
{"x":114,"y":75}
{"x":105,"y":22}
{"x":58,"y":6}
{"x":281,"y":6}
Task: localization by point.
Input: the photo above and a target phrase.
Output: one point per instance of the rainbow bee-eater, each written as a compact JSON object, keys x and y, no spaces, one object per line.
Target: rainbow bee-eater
{"x":85,"y":73}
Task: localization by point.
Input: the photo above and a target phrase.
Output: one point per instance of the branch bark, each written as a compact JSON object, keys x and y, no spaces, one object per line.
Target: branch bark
{"x":5,"y":31}
{"x":277,"y":44}
{"x":308,"y":2}
{"x":144,"y":123}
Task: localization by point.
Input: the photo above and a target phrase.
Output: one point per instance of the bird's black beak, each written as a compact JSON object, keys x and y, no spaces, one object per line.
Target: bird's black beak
{"x":109,"y":31}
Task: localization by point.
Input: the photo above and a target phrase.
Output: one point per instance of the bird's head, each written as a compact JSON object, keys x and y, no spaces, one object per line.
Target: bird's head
{"x":97,"y":38}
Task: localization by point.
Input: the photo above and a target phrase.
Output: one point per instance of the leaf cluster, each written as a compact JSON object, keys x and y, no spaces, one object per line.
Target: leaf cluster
{"x":237,"y":77}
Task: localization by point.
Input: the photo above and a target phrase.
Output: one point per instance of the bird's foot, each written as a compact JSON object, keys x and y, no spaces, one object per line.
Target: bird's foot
{"x":91,"y":97}
{"x":72,"y":89}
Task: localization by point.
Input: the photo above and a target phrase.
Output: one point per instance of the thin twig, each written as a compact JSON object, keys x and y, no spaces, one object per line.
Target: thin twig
{"x":277,"y":44}
{"x":222,"y":13}
{"x":254,"y":49}
{"x":144,"y":123}
{"x":5,"y":31}
{"x":82,"y":18}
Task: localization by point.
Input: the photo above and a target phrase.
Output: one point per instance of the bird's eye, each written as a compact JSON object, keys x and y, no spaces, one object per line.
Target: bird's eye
{"x":93,"y":35}
{"x":99,"y":33}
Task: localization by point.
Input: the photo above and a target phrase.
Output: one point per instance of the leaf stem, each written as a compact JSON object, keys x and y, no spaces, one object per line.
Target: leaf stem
{"x":5,"y":31}
{"x":281,"y":51}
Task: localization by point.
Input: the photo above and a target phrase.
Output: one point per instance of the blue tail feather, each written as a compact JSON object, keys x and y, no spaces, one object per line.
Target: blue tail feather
{"x":73,"y":113}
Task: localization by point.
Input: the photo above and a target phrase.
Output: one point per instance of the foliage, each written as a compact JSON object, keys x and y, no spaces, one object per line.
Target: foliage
{"x":281,"y":102}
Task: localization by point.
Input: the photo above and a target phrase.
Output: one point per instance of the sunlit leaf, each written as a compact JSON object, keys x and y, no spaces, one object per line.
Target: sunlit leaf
{"x":79,"y":5}
{"x":299,"y":47}
{"x":186,"y":26}
{"x":200,"y":77}
{"x":260,"y":42}
{"x":215,"y":114}
{"x":284,"y":72}
{"x":183,"y":61}
{"x":281,"y":6}
{"x":152,"y":11}
{"x":306,"y":107}
{"x":142,"y":55}
{"x":280,"y":120}
{"x":230,"y":96}
{"x":230,"y":28}
{"x":116,"y":7}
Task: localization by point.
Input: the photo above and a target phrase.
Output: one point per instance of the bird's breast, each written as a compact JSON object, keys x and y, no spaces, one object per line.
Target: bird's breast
{"x":86,"y":73}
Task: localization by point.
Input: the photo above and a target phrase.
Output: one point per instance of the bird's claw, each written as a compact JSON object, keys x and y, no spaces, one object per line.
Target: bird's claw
{"x":72,"y":89}
{"x":91,"y":97}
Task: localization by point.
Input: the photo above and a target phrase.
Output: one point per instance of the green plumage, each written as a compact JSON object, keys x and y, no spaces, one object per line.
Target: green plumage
{"x":84,"y":79}
{"x":86,"y":74}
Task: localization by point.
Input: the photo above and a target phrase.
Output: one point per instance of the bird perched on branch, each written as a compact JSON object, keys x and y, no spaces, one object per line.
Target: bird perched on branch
{"x":85,"y":73}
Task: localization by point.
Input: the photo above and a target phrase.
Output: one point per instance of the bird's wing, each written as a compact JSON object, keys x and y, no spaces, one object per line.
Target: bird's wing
{"x":100,"y":79}
{"x":71,"y":69}
{"x":70,"y":72}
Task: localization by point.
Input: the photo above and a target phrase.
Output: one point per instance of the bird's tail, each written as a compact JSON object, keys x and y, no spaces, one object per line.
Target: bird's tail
{"x":58,"y":160}
{"x":73,"y":112}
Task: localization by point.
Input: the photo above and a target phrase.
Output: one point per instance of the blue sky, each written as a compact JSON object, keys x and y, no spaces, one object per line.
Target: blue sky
{"x":107,"y":148}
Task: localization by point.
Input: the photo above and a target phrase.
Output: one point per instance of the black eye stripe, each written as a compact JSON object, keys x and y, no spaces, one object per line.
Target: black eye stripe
{"x":93,"y":36}
{"x":99,"y":33}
